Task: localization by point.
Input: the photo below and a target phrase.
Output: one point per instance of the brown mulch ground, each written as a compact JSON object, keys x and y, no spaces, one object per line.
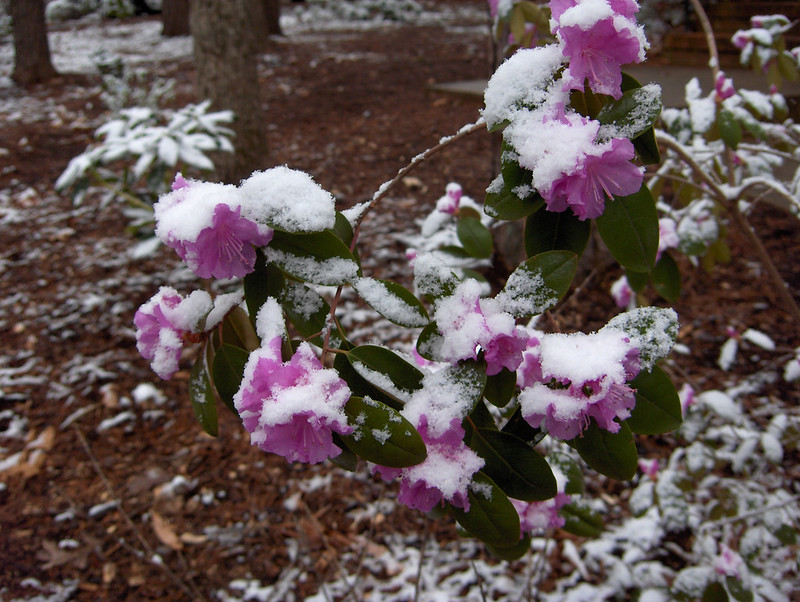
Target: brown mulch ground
{"x":69,"y":361}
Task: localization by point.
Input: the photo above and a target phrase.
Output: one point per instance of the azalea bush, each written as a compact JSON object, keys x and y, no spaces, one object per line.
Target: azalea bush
{"x":728,"y":151}
{"x":459,"y":422}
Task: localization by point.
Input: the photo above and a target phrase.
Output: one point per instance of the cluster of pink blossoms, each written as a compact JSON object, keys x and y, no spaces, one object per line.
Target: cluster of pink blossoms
{"x":567,"y":379}
{"x":291,"y":408}
{"x":203,"y":222}
{"x":470,"y":324}
{"x":530,"y":95}
{"x":168,"y":321}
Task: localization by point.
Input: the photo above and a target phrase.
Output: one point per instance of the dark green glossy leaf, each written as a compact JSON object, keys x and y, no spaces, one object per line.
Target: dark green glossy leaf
{"x":382,"y":435}
{"x":386,"y":370}
{"x":538,"y":284}
{"x":500,"y":387}
{"x":520,"y":471}
{"x":552,"y":231}
{"x":658,"y":408}
{"x":202,"y":396}
{"x":358,"y":385}
{"x":634,"y":112}
{"x":666,"y":277}
{"x":306,"y":310}
{"x":266,"y":280}
{"x":514,"y":552}
{"x":581,"y":520}
{"x":611,"y":454}
{"x":646,"y":148}
{"x":238,"y":330}
{"x":629,"y":227}
{"x":227,"y":371}
{"x":475,"y":237}
{"x":570,"y":468}
{"x":319,"y":257}
{"x":491,"y":516}
{"x":394,"y":302}
{"x":637,"y":280}
{"x":347,"y":460}
{"x":520,"y":428}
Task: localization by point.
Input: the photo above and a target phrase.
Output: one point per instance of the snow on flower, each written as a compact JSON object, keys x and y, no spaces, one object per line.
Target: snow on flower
{"x":469,"y":323}
{"x":598,"y":36}
{"x":292,"y":408}
{"x":578,"y":172}
{"x":450,"y":201}
{"x":568,"y":379}
{"x":444,"y":475}
{"x":622,"y":292}
{"x":667,"y":235}
{"x":206,"y":224}
{"x":165,"y":323}
{"x":728,"y":563}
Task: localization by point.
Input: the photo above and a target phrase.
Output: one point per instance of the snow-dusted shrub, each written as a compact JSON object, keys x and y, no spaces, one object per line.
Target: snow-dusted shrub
{"x":457,"y":423}
{"x":361,"y":10}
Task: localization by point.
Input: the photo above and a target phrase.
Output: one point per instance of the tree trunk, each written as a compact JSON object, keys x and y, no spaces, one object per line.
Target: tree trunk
{"x":225,"y":50}
{"x":175,"y":18}
{"x":32,"y":63}
{"x":272,"y":8}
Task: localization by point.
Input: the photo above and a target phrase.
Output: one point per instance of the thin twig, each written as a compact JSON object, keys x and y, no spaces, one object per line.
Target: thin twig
{"x":188,"y":588}
{"x":710,"y":39}
{"x":745,"y":516}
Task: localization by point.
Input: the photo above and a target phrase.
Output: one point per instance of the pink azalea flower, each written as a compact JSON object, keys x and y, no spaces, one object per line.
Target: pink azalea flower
{"x":450,"y":201}
{"x":723,"y":87}
{"x":598,"y":47}
{"x":568,"y":379}
{"x":469,"y":324}
{"x":292,"y":408}
{"x":622,"y":292}
{"x":165,"y":323}
{"x":667,"y":235}
{"x":649,"y":467}
{"x":600,"y":177}
{"x":538,"y":517}
{"x":493,"y":7}
{"x":444,"y":475}
{"x":225,"y":249}
{"x":728,"y":563}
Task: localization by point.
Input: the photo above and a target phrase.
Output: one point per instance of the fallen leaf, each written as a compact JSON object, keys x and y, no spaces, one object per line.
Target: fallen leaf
{"x":54,"y":556}
{"x":164,"y":531}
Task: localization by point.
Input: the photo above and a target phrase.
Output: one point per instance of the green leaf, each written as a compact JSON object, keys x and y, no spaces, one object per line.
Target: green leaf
{"x":611,"y":454}
{"x":652,"y":330}
{"x":319,"y":257}
{"x":666,"y":277}
{"x":514,"y":552}
{"x":358,"y":385}
{"x":347,"y":460}
{"x":266,"y":280}
{"x":738,"y":590}
{"x":538,"y":283}
{"x":658,"y":408}
{"x":636,"y":280}
{"x":475,"y":237}
{"x":629,"y":227}
{"x":382,"y":435}
{"x":633,"y":113}
{"x":551,"y":231}
{"x":238,"y":330}
{"x":506,"y":205}
{"x":491,"y":516}
{"x":429,"y":342}
{"x":202,"y":396}
{"x":520,"y":428}
{"x":581,"y":520}
{"x":570,"y":468}
{"x":520,"y":471}
{"x":306,"y":309}
{"x":646,"y":147}
{"x":500,"y":387}
{"x":394,"y":302}
{"x":386,"y":370}
{"x":227,"y":371}
{"x":715,"y":592}
{"x":729,"y":128}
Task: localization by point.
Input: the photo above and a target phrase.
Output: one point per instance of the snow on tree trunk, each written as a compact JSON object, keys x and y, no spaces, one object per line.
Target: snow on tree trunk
{"x":175,"y":18}
{"x":32,"y":63}
{"x":225,"y":49}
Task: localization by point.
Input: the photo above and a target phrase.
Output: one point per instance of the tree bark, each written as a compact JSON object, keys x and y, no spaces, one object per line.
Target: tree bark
{"x":225,"y":50}
{"x":175,"y":18}
{"x":32,"y":64}
{"x":272,"y":8}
